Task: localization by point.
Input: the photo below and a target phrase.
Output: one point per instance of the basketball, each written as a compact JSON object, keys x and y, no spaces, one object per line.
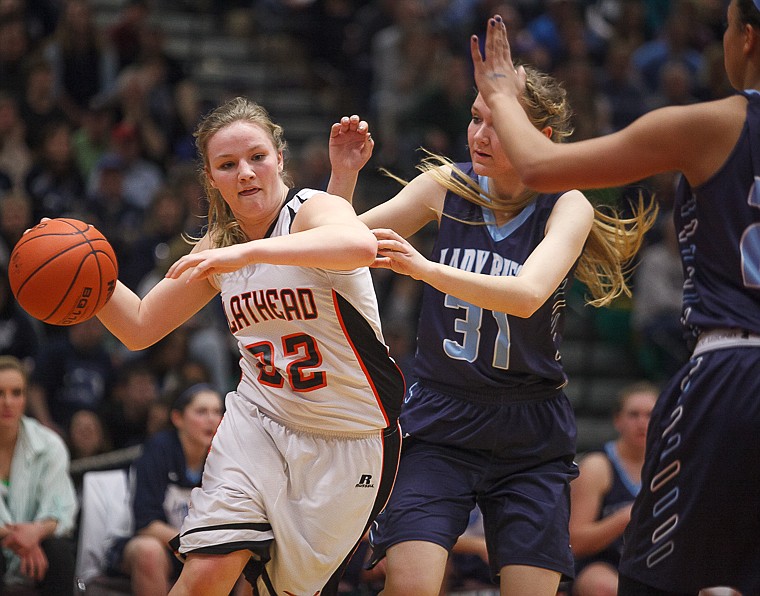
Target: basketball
{"x":62,"y":271}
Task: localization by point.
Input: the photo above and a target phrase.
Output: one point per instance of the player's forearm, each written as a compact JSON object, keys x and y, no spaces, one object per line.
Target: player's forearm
{"x":139,"y":323}
{"x":597,"y":536}
{"x":338,"y":247}
{"x":343,"y":184}
{"x":529,"y":151}
{"x":510,"y":295}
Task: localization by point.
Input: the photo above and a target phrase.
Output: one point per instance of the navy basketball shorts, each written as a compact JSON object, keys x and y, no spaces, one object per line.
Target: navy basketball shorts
{"x":521,"y":484}
{"x":696,"y":521}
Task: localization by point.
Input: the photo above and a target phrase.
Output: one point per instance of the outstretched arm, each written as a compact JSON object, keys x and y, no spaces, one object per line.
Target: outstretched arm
{"x":139,"y":323}
{"x":681,"y":138}
{"x":326,"y":234}
{"x":520,"y":295}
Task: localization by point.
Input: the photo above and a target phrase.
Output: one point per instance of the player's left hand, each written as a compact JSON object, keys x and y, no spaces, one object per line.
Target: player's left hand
{"x":205,"y":263}
{"x":495,"y":72}
{"x":396,"y":253}
{"x":351,"y":144}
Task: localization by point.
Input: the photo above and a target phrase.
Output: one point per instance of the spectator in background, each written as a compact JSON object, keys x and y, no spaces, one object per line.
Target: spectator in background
{"x":144,"y":102}
{"x":39,"y":106}
{"x":39,"y":16}
{"x":53,"y":183}
{"x":619,"y":87}
{"x":166,"y":358}
{"x":92,"y":139}
{"x":359,"y":35}
{"x":142,"y":178}
{"x":146,"y":94}
{"x":561,"y":29}
{"x":14,"y":49}
{"x":590,"y":116}
{"x":124,"y":34}
{"x":162,"y":226}
{"x":713,"y":81}
{"x":170,"y":466}
{"x":312,"y":164}
{"x":15,"y":155}
{"x":87,"y":435}
{"x":185,"y":182}
{"x":152,"y":50}
{"x":672,"y":44}
{"x":15,"y":219}
{"x":38,"y":499}
{"x":189,"y":108}
{"x":84,"y":65}
{"x":602,"y":495}
{"x":405,"y":56}
{"x":676,"y":87}
{"x":73,"y":371}
{"x":116,"y":218}
{"x":19,"y":334}
{"x":127,"y":412}
{"x":439,"y":115}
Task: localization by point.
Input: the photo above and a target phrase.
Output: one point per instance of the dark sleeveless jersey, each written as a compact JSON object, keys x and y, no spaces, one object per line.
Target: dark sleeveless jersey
{"x":622,"y":491}
{"x":718,"y":225}
{"x":468,"y":349}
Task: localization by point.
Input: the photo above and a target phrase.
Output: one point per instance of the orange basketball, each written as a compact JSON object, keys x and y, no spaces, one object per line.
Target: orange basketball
{"x":63,"y":271}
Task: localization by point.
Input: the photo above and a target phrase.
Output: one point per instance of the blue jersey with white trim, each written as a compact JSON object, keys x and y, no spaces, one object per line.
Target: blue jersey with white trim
{"x":718,"y":226}
{"x":470,"y":349}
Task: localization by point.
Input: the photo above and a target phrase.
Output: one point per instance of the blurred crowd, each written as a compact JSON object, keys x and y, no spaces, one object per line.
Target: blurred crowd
{"x":96,"y":122}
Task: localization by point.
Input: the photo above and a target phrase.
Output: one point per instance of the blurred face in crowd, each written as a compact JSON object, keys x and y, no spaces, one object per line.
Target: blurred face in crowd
{"x":632,"y":420}
{"x":198,"y":421}
{"x":12,"y":399}
{"x":86,"y":434}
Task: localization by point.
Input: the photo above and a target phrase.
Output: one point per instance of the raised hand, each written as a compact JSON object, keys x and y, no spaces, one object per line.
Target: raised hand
{"x":495,"y":72}
{"x":351,"y":144}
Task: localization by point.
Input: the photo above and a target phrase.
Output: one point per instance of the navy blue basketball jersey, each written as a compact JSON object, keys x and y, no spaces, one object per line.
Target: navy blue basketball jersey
{"x":718,"y":227}
{"x":623,"y":491}
{"x":470,"y":349}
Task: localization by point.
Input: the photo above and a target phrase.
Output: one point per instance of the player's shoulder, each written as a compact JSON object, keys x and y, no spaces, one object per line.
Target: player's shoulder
{"x":595,"y":466}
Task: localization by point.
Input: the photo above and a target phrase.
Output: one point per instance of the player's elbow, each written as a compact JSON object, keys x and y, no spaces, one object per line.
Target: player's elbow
{"x":581,"y":549}
{"x":139,"y":340}
{"x":364,"y":250}
{"x":528,"y":304}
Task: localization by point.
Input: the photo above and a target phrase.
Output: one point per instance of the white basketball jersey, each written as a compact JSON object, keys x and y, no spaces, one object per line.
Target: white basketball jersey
{"x":312,"y":351}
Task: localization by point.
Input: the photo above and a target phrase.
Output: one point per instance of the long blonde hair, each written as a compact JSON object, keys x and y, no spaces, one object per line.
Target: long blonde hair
{"x":224,"y":229}
{"x":606,"y":261}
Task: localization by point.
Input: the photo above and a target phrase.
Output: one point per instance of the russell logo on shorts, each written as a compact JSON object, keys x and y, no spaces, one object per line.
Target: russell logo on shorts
{"x":365,"y":481}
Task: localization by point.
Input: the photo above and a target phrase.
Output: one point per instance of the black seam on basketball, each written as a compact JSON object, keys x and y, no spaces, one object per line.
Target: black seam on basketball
{"x":71,"y":285}
{"x":47,"y":262}
{"x":25,"y":241}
